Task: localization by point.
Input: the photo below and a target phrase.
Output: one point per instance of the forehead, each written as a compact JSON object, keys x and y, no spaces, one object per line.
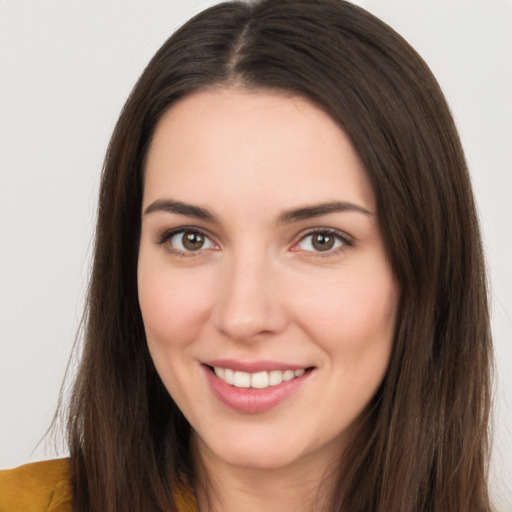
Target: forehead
{"x":238,"y":145}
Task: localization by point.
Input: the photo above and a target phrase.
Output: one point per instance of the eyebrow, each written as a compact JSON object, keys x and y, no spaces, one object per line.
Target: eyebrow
{"x":287,"y":217}
{"x":170,"y":206}
{"x":317,"y":210}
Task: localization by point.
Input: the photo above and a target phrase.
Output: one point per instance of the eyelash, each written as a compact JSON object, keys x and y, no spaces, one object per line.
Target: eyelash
{"x":167,"y":235}
{"x":345,"y":241}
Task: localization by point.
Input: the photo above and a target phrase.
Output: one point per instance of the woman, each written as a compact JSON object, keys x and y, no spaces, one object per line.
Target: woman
{"x":287,"y":306}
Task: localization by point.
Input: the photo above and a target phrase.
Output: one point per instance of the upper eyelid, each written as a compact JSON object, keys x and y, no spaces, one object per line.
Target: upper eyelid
{"x":343,"y":235}
{"x":347,"y":242}
{"x":165,"y":235}
{"x":333,"y":231}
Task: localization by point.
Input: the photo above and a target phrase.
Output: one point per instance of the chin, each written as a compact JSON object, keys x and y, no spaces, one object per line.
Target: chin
{"x":258,"y":459}
{"x":260,"y":452}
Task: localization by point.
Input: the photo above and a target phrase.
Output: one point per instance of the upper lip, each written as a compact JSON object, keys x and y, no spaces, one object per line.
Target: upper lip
{"x":254,"y":366}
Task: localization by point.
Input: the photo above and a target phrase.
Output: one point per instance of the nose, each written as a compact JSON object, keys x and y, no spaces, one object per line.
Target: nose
{"x":249,"y":304}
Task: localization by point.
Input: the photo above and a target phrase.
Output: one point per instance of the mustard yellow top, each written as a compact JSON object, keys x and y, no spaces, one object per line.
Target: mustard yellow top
{"x":45,"y":487}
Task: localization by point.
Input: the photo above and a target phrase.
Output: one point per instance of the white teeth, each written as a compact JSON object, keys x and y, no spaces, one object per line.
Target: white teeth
{"x":258,"y":380}
{"x":242,"y":380}
{"x":229,"y":376}
{"x":275,"y":377}
{"x":288,"y":375}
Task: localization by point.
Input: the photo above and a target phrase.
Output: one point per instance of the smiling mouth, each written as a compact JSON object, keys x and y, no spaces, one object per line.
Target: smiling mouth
{"x":257,"y":380}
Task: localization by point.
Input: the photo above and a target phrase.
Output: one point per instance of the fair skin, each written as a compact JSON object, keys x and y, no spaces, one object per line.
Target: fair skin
{"x":261,"y":259}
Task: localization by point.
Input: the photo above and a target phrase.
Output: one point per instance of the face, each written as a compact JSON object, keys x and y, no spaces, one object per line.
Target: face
{"x":268,"y":301}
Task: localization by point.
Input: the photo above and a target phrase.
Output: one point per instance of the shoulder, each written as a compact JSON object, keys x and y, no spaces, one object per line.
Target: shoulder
{"x":185,"y":498}
{"x":45,"y":487}
{"x":37,"y":487}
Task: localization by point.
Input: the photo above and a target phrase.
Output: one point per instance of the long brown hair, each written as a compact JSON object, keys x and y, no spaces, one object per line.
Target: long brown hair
{"x":421,"y":444}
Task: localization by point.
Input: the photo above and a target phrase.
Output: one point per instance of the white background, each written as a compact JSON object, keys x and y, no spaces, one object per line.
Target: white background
{"x":66,"y":68}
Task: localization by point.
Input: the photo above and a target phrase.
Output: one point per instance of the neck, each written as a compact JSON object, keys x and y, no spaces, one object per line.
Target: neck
{"x":303,"y":486}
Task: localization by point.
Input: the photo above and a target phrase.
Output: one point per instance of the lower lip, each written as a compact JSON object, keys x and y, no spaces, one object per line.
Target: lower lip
{"x":251,"y":400}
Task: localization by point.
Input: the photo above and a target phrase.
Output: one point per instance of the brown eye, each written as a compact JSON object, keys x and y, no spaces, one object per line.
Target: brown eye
{"x":193,"y":241}
{"x":188,"y":241}
{"x":322,"y":241}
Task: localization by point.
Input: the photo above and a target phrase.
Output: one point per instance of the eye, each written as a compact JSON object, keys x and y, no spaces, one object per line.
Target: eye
{"x":323,"y":241}
{"x":187,"y":241}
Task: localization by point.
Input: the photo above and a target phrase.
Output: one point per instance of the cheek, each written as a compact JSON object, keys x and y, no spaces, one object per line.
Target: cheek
{"x":352,"y":314}
{"x":353,"y":322}
{"x":174,"y":305}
